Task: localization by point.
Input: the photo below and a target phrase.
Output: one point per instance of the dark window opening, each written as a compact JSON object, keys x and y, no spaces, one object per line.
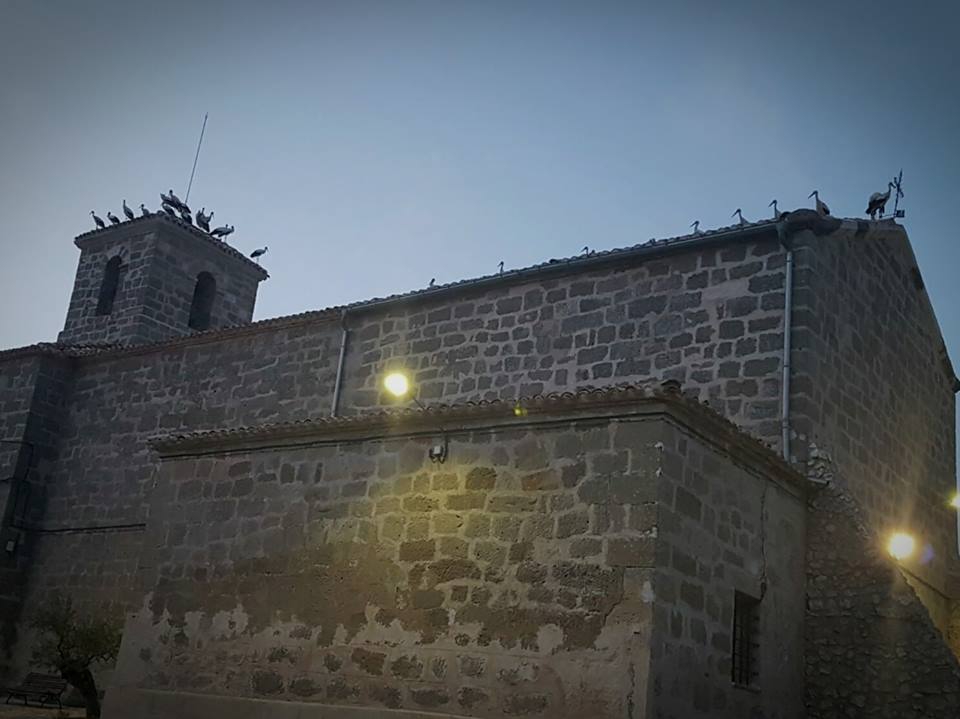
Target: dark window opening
{"x":203,"y":294}
{"x":746,"y":639}
{"x":108,"y":288}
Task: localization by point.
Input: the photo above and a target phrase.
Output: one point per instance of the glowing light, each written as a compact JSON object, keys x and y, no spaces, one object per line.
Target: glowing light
{"x":397,"y":384}
{"x":901,"y":545}
{"x":955,"y":502}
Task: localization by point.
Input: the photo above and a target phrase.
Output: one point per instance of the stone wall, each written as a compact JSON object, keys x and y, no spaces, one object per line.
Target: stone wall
{"x":161,"y":259}
{"x":871,"y":647}
{"x":32,"y":392}
{"x":528,"y":575}
{"x":711,"y":318}
{"x":515,"y":579}
{"x":724,"y":526}
{"x":873,"y":389}
{"x":105,"y":470}
{"x":708,"y":318}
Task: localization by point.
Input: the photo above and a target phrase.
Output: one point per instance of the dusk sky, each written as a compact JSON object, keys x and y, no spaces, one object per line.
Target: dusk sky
{"x":376,"y":145}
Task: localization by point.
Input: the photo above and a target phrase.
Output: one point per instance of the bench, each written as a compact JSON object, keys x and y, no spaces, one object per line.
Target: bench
{"x":38,"y":687}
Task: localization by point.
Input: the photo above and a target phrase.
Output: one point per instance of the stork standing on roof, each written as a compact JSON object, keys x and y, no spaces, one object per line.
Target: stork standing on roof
{"x":739,"y":214}
{"x":113,"y":218}
{"x":822,"y":208}
{"x":257,"y":254}
{"x":501,"y":267}
{"x":144,"y":212}
{"x":97,"y":220}
{"x":168,"y":209}
{"x":203,"y":219}
{"x":222,"y":232}
{"x":776,"y":212}
{"x":878,"y":202}
{"x":696,"y":227}
{"x":127,"y":211}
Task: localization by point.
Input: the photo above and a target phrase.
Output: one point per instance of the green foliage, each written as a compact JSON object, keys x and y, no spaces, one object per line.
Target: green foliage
{"x":70,"y":640}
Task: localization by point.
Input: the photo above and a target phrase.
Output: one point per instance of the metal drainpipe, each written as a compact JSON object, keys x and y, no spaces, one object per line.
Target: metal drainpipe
{"x":787,"y":327}
{"x":343,"y":353}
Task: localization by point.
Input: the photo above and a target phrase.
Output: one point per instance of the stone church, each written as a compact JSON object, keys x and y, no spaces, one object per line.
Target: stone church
{"x":658,"y":481}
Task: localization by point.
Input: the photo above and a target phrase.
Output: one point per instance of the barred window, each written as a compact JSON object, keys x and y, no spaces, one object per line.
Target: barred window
{"x":746,"y":639}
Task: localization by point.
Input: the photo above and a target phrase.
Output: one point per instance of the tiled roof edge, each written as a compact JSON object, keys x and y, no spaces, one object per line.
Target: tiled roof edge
{"x":55,"y":349}
{"x":82,"y":239}
{"x":536,"y":408}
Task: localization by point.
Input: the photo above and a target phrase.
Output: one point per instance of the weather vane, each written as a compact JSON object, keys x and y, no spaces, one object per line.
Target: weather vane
{"x":897,"y":213}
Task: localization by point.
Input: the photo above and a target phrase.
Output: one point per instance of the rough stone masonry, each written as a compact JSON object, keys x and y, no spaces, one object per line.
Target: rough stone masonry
{"x":871,"y":389}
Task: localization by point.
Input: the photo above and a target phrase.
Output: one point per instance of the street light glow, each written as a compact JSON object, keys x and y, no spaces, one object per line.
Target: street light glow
{"x":397,"y":384}
{"x":901,"y":545}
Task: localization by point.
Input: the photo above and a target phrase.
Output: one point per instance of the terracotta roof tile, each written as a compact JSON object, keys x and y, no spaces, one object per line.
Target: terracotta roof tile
{"x":442,"y":415}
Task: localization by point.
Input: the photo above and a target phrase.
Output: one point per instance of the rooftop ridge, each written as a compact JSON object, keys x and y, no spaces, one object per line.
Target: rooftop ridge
{"x":196,"y":232}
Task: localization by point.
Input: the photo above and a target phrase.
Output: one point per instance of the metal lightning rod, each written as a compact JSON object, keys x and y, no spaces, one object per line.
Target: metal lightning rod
{"x":195,"y":157}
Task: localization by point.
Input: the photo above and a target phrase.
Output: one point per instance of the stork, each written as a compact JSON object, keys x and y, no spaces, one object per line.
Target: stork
{"x":113,"y":218}
{"x":776,"y":212}
{"x":696,"y":227}
{"x":203,"y":220}
{"x":501,"y":267}
{"x":168,"y":209}
{"x":878,"y":202}
{"x":257,"y":254}
{"x":223,"y":231}
{"x":822,"y":208}
{"x":174,"y":200}
{"x":433,"y":282}
{"x":127,"y":211}
{"x":185,"y":214}
{"x":739,"y":214}
{"x":144,"y":212}
{"x":97,"y":220}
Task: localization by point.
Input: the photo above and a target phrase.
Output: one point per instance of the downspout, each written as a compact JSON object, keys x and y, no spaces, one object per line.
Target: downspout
{"x":787,"y":330}
{"x":344,"y":332}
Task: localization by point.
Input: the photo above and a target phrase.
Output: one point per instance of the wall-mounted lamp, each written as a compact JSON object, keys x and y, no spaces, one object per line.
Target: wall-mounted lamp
{"x":398,"y":384}
{"x":955,"y":502}
{"x":901,"y":545}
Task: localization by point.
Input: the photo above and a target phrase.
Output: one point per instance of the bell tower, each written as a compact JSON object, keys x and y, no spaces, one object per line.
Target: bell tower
{"x":157,"y":277}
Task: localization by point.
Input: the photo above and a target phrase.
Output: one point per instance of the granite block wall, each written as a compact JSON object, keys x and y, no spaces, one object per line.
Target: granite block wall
{"x":513,"y":580}
{"x":708,"y":318}
{"x":18,"y":377}
{"x":724,"y":526}
{"x":104,"y":470}
{"x":160,"y":262}
{"x":32,"y":392}
{"x":711,"y":319}
{"x":871,"y":647}
{"x":873,"y":389}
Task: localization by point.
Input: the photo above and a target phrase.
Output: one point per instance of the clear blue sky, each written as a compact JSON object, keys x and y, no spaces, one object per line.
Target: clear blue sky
{"x":375,"y":145}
